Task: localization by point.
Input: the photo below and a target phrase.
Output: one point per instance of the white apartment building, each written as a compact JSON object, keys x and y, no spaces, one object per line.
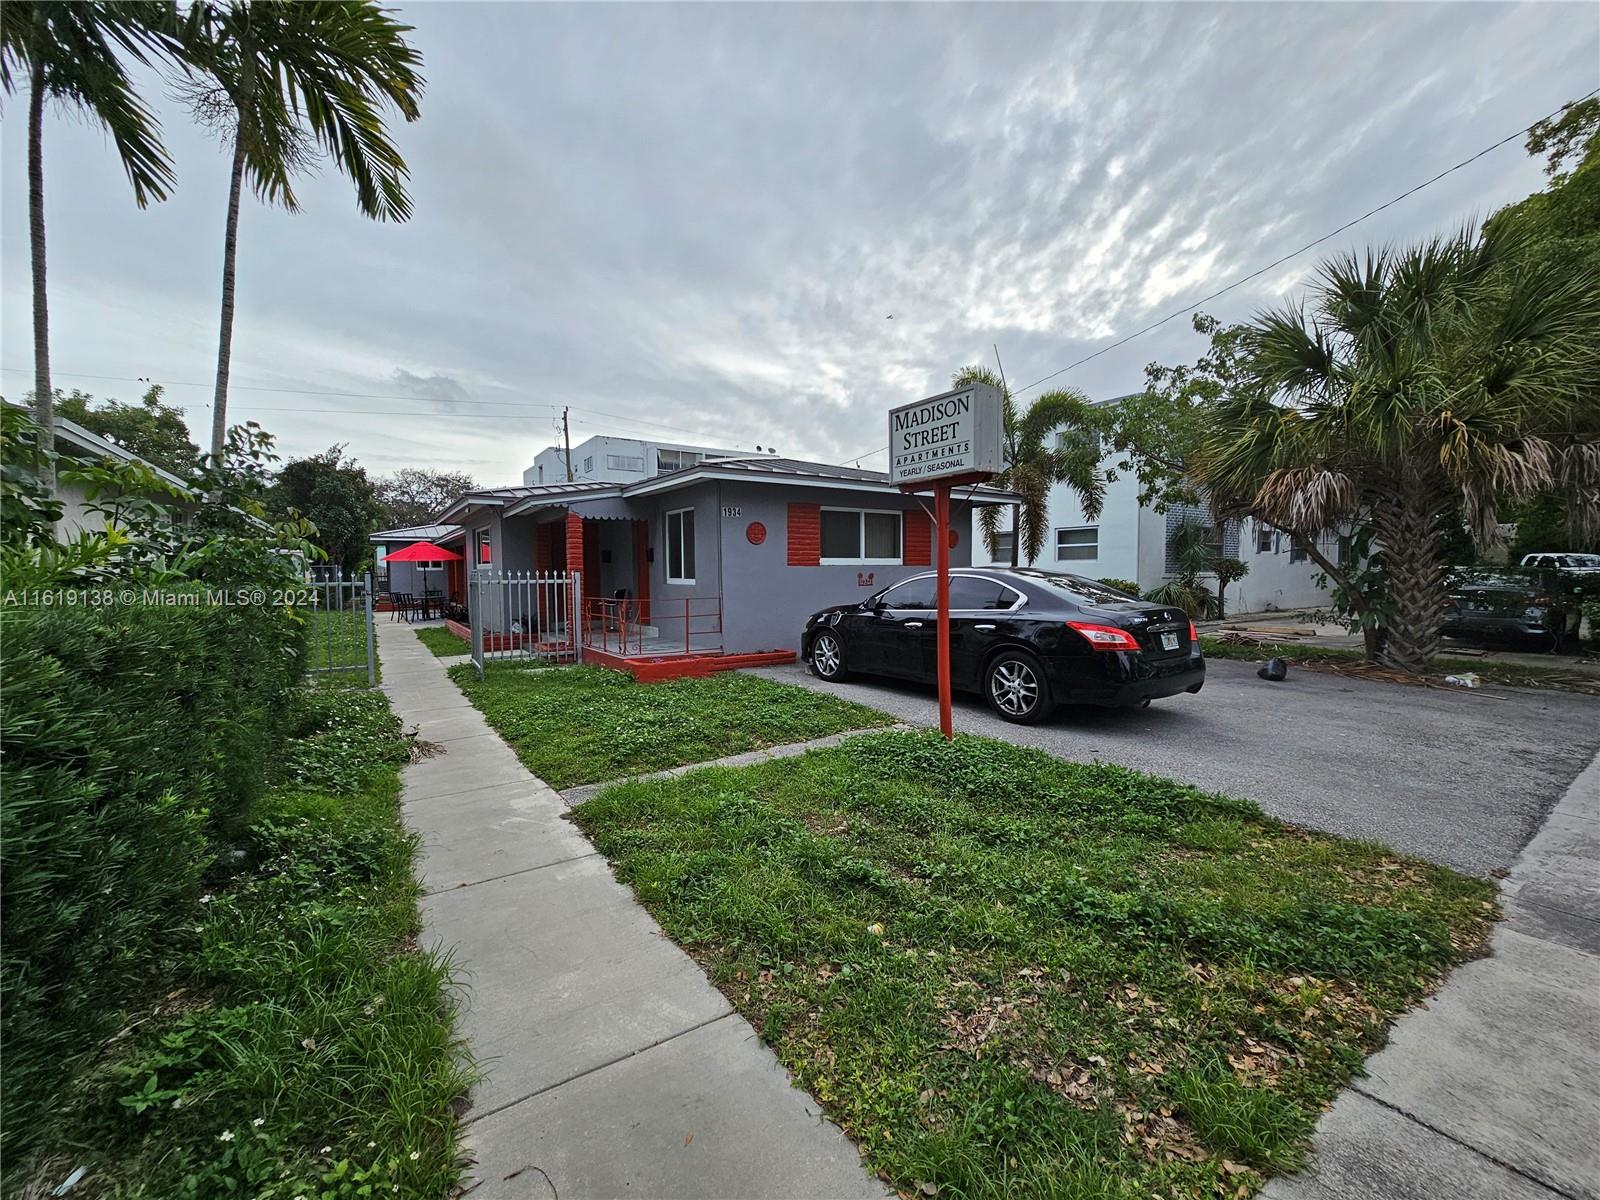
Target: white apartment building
{"x":1130,"y":541}
{"x":619,"y":460}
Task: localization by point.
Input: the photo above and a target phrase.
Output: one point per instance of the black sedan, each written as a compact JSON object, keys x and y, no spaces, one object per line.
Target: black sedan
{"x":1027,"y":640}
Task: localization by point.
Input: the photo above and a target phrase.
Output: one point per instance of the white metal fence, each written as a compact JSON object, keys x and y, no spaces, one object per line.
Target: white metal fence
{"x":525,"y":616}
{"x":342,"y":637}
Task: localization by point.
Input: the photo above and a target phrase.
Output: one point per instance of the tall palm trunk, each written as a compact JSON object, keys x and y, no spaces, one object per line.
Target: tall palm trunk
{"x":1016,"y":533}
{"x":1406,"y":522}
{"x":44,"y":396}
{"x":230,"y":250}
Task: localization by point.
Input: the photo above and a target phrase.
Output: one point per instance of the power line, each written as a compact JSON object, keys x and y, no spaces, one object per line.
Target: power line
{"x":1188,"y":308}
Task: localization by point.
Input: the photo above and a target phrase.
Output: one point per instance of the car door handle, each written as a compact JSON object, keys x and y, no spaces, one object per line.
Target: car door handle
{"x":985,"y":628}
{"x":913,"y":624}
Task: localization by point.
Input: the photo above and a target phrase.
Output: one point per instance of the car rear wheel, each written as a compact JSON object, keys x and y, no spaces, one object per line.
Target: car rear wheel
{"x":827,"y":658}
{"x":1016,"y":688}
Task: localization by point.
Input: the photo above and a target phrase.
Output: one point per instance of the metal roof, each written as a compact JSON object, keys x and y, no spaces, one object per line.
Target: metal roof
{"x":415,"y":533}
{"x":785,"y":470}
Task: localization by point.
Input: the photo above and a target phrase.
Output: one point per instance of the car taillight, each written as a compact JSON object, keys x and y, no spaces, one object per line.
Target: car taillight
{"x":1194,"y":634}
{"x":1105,"y":637}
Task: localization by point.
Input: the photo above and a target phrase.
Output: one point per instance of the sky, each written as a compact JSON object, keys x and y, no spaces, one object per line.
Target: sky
{"x":695,"y":222}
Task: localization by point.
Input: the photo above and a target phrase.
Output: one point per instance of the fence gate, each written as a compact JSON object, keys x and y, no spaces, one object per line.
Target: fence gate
{"x":342,"y":638}
{"x":530,"y":616}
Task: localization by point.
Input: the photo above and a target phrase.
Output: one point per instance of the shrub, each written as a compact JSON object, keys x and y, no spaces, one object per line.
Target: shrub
{"x":1123,"y":585}
{"x":1591,"y":616}
{"x":135,"y":738}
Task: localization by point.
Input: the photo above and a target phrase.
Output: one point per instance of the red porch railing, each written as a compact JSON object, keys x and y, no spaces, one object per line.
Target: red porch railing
{"x":688,"y":626}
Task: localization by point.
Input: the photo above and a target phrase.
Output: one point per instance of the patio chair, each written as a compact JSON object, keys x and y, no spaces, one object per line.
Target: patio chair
{"x":404,"y":604}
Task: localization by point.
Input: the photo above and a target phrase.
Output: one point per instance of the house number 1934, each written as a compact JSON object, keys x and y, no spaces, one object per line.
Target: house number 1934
{"x":732,"y":510}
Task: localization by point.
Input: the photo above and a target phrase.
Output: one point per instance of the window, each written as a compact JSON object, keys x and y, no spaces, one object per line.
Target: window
{"x":624,"y":462}
{"x":588,"y":464}
{"x":674,"y":460}
{"x":1066,"y":438}
{"x":1002,"y":547}
{"x":851,"y":535}
{"x":969,"y":592}
{"x":680,"y":546}
{"x":1080,"y":542}
{"x":1296,"y":554}
{"x":484,"y":546}
{"x":1264,"y":543}
{"x":913,"y":593}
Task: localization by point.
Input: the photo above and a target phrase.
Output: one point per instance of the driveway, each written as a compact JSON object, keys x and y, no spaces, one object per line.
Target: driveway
{"x":1463,"y":778}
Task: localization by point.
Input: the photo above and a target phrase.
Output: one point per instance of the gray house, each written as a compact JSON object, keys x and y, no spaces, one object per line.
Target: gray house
{"x":727,"y":556}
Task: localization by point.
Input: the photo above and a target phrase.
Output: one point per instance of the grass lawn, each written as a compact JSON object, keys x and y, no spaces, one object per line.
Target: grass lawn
{"x":1005,"y":975}
{"x":302,"y":1045}
{"x":572,"y":725}
{"x":442,"y":642}
{"x":1555,"y":676}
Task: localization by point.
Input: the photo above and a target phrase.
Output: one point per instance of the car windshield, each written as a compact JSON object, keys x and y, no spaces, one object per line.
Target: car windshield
{"x":1524,"y":579}
{"x":1076,"y":587}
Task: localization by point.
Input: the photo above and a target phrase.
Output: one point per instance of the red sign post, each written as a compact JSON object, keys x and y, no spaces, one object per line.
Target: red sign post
{"x":946,"y":440}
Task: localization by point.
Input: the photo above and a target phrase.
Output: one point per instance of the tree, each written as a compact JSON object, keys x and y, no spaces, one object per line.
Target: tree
{"x":1158,"y":432}
{"x":156,"y":432}
{"x":72,"y":53}
{"x":1035,"y":463}
{"x":416,"y":495}
{"x":285,"y":80}
{"x":1421,"y":387}
{"x":334,"y":493}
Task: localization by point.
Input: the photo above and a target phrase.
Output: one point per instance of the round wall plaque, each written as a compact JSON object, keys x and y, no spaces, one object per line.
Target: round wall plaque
{"x":755,"y":533}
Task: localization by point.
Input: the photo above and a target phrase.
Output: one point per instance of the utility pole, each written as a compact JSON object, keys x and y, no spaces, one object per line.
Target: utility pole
{"x":566,"y":436}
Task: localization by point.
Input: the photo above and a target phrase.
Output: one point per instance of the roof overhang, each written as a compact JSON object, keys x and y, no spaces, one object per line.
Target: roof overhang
{"x":530,"y":504}
{"x":981,"y":495}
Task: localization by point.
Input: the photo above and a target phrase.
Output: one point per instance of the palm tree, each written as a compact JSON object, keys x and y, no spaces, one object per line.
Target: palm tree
{"x":286,"y":80}
{"x":72,"y":53}
{"x":1192,"y":547}
{"x":1422,"y":386}
{"x":1035,"y":462}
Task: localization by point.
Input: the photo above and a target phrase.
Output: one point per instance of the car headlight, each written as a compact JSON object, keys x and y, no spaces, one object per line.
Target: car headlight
{"x":1536,"y":612}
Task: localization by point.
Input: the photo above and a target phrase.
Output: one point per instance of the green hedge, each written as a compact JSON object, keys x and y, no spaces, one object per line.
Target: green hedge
{"x":134,"y":740}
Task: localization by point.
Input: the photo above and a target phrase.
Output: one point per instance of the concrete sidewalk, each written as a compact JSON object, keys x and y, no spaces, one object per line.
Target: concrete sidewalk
{"x":1493,"y":1089}
{"x":613,"y":1066}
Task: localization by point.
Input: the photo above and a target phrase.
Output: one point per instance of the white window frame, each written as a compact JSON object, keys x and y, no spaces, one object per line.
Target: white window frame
{"x":1060,"y":529}
{"x":588,"y":465}
{"x":478,"y":536}
{"x":861,"y":526}
{"x":666,"y":543}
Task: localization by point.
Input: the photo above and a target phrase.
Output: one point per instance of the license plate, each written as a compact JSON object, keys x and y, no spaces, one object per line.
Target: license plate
{"x":1169,"y":641}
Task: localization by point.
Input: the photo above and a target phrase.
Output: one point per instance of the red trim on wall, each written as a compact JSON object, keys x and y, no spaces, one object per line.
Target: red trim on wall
{"x":805,"y":535}
{"x":916,"y":539}
{"x":641,"y":567}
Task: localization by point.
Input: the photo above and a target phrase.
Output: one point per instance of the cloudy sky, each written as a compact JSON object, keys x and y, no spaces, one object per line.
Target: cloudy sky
{"x":693,"y":221}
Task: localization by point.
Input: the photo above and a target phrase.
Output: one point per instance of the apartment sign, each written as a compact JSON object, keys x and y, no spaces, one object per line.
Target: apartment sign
{"x":954,"y":433}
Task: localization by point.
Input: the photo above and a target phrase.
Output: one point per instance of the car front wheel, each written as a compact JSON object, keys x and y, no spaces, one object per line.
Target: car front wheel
{"x":827,"y":658}
{"x":1016,"y":688}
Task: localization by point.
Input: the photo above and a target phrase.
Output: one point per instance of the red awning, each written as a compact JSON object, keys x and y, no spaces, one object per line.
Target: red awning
{"x":423,"y":552}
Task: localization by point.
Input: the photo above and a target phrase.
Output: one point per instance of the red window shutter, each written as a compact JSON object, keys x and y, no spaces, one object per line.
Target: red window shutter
{"x":917,"y":539}
{"x":805,"y":535}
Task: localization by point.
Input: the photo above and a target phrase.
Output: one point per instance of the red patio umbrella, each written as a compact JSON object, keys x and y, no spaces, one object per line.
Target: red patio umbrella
{"x":423,"y":552}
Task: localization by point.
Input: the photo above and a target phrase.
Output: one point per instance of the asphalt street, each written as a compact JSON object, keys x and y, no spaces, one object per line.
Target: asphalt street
{"x":1463,"y":778}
